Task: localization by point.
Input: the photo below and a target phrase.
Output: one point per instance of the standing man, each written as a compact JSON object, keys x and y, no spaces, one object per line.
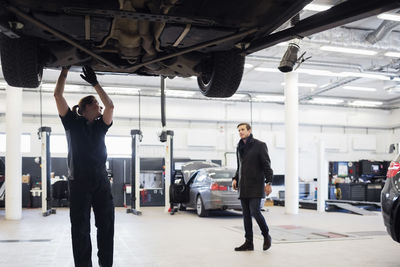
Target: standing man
{"x":253,"y":179}
{"x":85,"y":128}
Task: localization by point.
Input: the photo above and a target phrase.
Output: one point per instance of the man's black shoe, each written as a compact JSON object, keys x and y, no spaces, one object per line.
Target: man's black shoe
{"x":267,"y":243}
{"x":248,"y":245}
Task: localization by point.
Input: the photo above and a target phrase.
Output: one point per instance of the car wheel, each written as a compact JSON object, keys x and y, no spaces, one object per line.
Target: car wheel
{"x":221,"y":74}
{"x":200,"y":207}
{"x":19,"y":61}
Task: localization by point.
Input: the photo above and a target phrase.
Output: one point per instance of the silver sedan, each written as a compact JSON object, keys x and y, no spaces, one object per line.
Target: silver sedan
{"x":211,"y":189}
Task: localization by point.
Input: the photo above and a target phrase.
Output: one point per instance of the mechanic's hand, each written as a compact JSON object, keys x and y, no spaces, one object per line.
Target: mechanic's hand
{"x":267,"y":189}
{"x":234,"y":185}
{"x":66,"y":67}
{"x":89,"y":75}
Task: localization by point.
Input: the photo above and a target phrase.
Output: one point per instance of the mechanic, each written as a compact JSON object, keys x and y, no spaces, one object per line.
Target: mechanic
{"x":253,"y":180}
{"x":85,"y":128}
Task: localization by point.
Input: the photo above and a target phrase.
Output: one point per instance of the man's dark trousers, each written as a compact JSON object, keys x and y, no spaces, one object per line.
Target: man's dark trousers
{"x":252,"y":207}
{"x":82,"y":197}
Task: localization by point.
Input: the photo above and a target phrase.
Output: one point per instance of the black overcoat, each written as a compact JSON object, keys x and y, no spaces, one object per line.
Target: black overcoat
{"x":254,"y":168}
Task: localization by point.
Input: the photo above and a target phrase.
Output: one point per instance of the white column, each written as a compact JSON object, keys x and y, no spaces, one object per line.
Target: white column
{"x":292,"y":144}
{"x":13,"y":182}
{"x":322,"y":186}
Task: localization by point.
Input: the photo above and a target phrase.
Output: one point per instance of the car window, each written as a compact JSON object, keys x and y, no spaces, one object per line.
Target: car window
{"x":222,"y":174}
{"x":201,"y":176}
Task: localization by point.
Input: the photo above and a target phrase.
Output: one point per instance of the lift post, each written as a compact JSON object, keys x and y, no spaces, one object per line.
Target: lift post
{"x":135,"y":174}
{"x":44,"y":136}
{"x":168,"y":168}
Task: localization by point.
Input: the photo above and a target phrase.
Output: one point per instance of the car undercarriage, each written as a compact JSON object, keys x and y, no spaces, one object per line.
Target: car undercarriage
{"x":171,"y":38}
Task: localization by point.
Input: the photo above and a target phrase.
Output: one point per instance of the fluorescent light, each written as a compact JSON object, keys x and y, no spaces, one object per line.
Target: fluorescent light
{"x":283,"y":44}
{"x":327,"y":101}
{"x":269,"y":98}
{"x":316,"y":7}
{"x":317,"y":72}
{"x":365,"y":75}
{"x":180,"y":93}
{"x":348,"y":50}
{"x":237,"y":97}
{"x":248,"y":66}
{"x":126,"y":90}
{"x":304,"y":84}
{"x":267,"y":69}
{"x":392,"y":17}
{"x":392,"y":54}
{"x":67,"y":87}
{"x":324,"y":85}
{"x":357,"y":88}
{"x":365,"y":103}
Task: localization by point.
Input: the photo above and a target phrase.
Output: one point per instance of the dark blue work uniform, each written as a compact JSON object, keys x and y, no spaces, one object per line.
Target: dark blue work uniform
{"x":89,"y":187}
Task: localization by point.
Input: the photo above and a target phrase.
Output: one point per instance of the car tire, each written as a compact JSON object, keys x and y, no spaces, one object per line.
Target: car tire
{"x":19,"y":61}
{"x":200,"y":210}
{"x":221,"y":74}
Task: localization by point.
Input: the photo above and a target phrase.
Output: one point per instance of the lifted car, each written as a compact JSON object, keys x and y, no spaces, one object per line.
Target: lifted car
{"x":208,"y":39}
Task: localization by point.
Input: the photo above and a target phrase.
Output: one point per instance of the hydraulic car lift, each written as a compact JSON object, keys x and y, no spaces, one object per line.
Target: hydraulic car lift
{"x":135,"y":173}
{"x":44,"y":136}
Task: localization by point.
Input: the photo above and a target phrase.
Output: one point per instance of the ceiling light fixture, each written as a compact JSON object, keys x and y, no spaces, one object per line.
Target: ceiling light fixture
{"x":68,"y":87}
{"x":327,"y":101}
{"x":180,"y":93}
{"x":363,"y":103}
{"x":365,"y":75}
{"x":392,"y":54}
{"x":358,"y":88}
{"x":317,"y":7}
{"x":125,"y":90}
{"x":283,"y":44}
{"x":324,"y":85}
{"x":318,"y":72}
{"x":304,"y":85}
{"x":348,"y":50}
{"x":236,"y":97}
{"x":386,"y":16}
{"x":266,"y":69}
{"x":269,"y":98}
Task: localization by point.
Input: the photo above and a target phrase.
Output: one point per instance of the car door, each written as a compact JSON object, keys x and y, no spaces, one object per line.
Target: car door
{"x":198,"y":181}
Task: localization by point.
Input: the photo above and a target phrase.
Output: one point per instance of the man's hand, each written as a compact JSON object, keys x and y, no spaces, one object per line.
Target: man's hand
{"x":234,"y":185}
{"x":89,"y":75}
{"x":267,"y":189}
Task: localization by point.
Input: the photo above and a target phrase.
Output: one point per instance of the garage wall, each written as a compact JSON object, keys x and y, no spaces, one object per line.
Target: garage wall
{"x":207,"y":129}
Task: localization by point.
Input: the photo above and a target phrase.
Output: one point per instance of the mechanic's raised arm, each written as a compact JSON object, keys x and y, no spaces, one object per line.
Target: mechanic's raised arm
{"x":61,"y":103}
{"x":90,"y":77}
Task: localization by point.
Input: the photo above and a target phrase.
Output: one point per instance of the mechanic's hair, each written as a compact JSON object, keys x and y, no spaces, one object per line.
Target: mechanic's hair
{"x":248,"y":127}
{"x":81,"y":107}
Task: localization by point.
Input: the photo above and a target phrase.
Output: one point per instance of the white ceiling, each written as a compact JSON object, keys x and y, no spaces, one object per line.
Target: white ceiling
{"x":260,"y":82}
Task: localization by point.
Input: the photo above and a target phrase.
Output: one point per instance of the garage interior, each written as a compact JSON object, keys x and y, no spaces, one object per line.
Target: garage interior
{"x":346,"y":134}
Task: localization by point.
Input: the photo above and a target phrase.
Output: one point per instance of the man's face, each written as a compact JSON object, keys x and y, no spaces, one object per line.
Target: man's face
{"x":243,"y":132}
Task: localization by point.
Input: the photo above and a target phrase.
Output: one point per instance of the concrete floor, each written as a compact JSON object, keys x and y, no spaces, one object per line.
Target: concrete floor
{"x":159,"y":239}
